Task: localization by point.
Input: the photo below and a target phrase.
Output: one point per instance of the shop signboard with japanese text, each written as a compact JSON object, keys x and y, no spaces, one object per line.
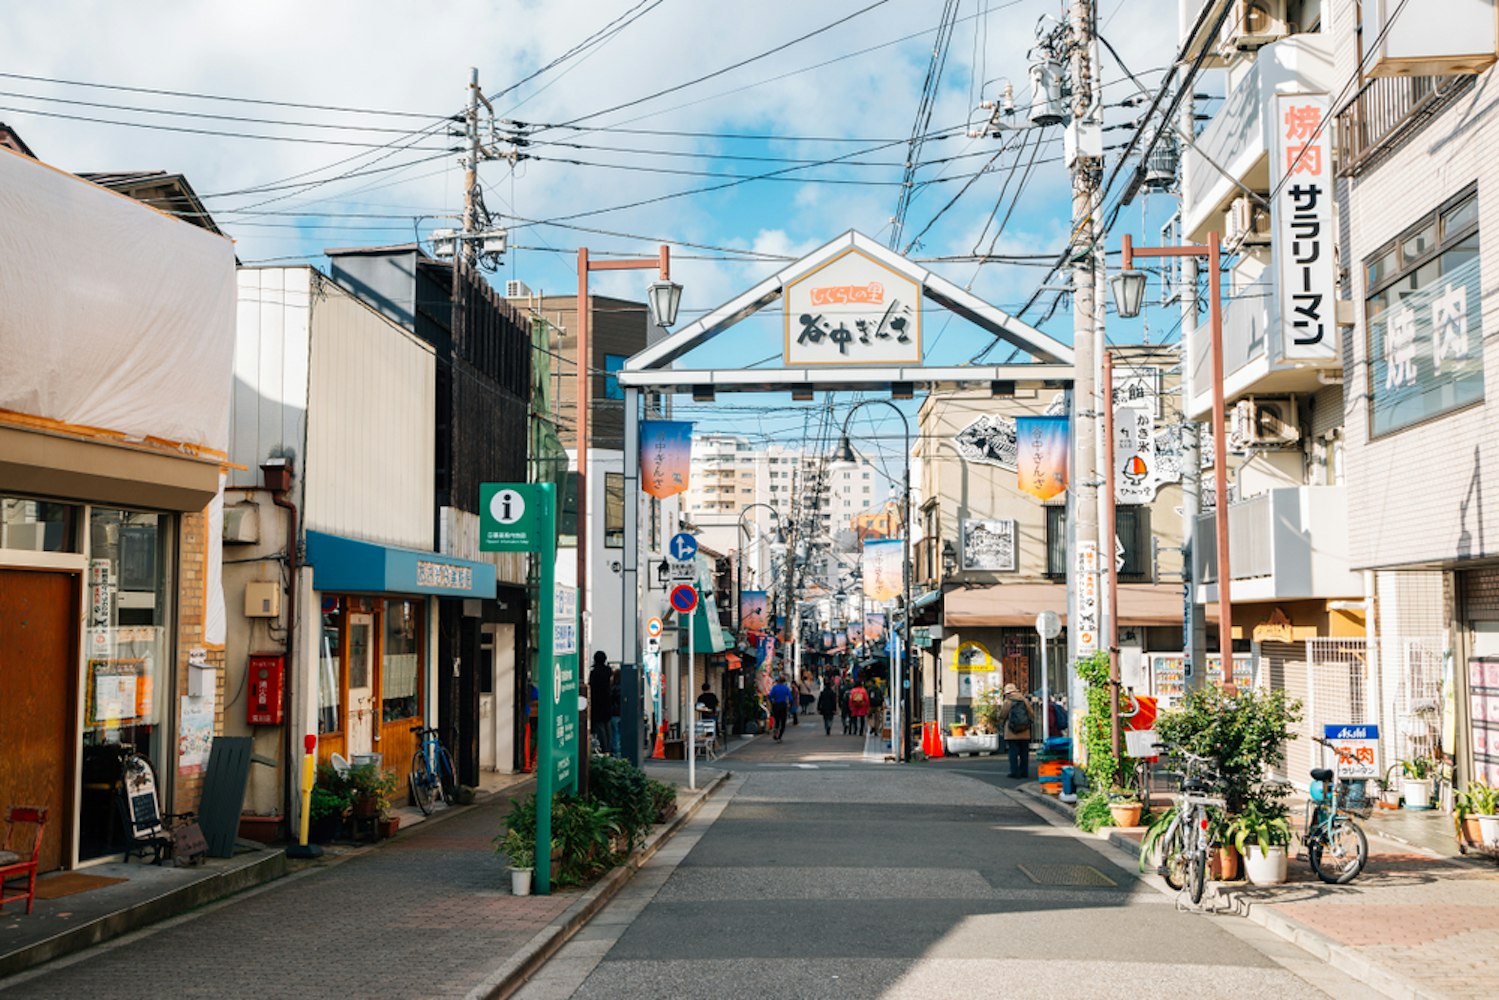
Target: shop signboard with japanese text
{"x":1087,"y":598}
{"x":1135,"y":479}
{"x":1355,"y":747}
{"x":1042,"y":444}
{"x":853,"y":310}
{"x":883,"y":561}
{"x":1301,"y":174}
{"x":665,"y":457}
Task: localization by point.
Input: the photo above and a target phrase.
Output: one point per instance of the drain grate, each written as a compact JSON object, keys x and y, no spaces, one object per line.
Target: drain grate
{"x":1066,"y":875}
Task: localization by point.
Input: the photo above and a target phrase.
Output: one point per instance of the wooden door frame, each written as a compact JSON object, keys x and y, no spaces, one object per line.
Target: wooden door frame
{"x":74,"y":565}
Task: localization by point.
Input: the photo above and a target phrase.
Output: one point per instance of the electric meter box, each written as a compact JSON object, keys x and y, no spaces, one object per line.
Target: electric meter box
{"x":262,"y":599}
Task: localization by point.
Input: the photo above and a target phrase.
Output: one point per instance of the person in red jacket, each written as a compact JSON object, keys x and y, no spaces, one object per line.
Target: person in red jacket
{"x":858,"y":707}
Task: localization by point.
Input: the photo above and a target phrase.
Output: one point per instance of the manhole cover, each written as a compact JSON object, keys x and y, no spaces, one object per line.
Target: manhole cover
{"x":1065,"y":875}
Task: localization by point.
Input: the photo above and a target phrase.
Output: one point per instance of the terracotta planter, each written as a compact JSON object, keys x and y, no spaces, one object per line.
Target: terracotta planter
{"x":366,"y":807}
{"x":388,"y":827}
{"x":1125,"y":813}
{"x":1470,"y":833}
{"x":1224,"y":864}
{"x":264,"y":829}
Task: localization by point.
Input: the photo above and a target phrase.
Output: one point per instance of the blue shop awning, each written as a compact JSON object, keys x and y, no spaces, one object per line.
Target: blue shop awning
{"x":348,"y":565}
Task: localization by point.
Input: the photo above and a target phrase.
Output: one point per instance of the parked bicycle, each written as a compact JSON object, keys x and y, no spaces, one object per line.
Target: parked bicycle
{"x":431,"y":771}
{"x":1335,"y":844}
{"x":1187,"y":839}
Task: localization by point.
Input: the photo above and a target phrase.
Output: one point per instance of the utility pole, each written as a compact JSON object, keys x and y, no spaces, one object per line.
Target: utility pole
{"x":1194,"y":622}
{"x":1087,"y":244}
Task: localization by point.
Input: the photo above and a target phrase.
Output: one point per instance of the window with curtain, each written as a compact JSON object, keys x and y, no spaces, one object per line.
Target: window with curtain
{"x":614,"y":510}
{"x":400,"y":662}
{"x":330,"y":669}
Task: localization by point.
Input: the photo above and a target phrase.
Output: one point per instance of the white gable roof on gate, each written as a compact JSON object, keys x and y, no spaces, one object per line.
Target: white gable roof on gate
{"x":933,"y":286}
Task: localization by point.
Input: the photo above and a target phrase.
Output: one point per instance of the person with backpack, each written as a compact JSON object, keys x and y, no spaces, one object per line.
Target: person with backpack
{"x":844,"y":687}
{"x":858,"y":708}
{"x":1018,"y":722}
{"x":876,"y":706}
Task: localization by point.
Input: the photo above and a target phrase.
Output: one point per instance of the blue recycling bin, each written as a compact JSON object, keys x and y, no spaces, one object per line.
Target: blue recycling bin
{"x":1069,"y":781}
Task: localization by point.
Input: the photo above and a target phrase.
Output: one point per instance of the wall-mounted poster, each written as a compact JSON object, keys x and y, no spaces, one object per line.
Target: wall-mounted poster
{"x":988,"y":545}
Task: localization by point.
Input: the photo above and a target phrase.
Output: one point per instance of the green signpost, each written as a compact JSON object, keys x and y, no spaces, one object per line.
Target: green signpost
{"x":522,"y":517}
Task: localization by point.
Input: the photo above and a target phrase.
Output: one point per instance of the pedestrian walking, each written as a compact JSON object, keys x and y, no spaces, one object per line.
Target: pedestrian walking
{"x":795,"y":705}
{"x":844,"y":687}
{"x":1018,"y":721}
{"x":827,"y":707}
{"x":780,"y":704}
{"x":614,"y":712}
{"x":858,"y":707}
{"x":805,"y":695}
{"x":876,"y":706}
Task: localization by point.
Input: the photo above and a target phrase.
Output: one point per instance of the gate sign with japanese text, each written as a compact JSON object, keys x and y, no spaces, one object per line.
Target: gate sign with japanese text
{"x":853,"y":310}
{"x":1301,"y":174}
{"x":1355,"y":747}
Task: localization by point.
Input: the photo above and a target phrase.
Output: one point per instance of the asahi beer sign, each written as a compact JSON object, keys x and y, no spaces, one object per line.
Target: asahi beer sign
{"x":1301,"y":173}
{"x":853,"y":310}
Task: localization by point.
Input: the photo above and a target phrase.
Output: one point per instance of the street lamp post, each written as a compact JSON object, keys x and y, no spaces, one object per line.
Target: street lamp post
{"x":1129,"y":292}
{"x":739,"y":564}
{"x":664,"y":295}
{"x":903,"y":747}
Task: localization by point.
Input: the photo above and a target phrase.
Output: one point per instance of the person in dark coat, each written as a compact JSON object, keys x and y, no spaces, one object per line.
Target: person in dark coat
{"x":827,"y":707}
{"x":600,"y":696}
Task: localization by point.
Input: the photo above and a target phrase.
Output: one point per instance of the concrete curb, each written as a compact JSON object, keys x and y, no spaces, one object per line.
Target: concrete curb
{"x":519,"y":968}
{"x":1345,"y":959}
{"x":149,"y":911}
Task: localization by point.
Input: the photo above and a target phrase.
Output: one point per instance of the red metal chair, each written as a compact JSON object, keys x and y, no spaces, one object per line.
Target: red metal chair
{"x":11,"y":865}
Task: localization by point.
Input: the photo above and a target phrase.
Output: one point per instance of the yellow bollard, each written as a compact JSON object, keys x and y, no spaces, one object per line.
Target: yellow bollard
{"x":309,"y":775}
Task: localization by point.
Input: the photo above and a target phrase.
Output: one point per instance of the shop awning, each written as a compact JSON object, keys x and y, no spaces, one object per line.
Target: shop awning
{"x":1017,"y":604}
{"x":349,"y":565}
{"x":732,"y":661}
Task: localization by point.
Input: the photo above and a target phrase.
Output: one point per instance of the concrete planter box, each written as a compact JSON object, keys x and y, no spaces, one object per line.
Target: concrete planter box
{"x":973,"y":743}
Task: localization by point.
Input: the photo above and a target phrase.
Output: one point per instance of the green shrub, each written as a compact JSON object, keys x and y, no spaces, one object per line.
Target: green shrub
{"x":1093,"y":811}
{"x":1104,"y":767}
{"x":617,"y":783}
{"x":584,"y":830}
{"x":1245,"y":734}
{"x":663,"y":797}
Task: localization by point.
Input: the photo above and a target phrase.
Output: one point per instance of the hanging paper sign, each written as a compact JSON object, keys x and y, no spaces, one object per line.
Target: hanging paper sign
{"x":874,"y":627}
{"x":665,"y":457}
{"x":1087,"y":598}
{"x":882,"y":569}
{"x":1134,"y":456}
{"x":1042,"y":455}
{"x":853,"y":310}
{"x":754,"y":610}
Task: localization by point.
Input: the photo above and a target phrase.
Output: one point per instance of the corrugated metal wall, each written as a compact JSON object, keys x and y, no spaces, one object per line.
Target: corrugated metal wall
{"x":268,"y":414}
{"x":370,"y":433}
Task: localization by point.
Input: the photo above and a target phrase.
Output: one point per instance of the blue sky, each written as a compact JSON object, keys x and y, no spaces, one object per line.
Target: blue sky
{"x":350,"y":147}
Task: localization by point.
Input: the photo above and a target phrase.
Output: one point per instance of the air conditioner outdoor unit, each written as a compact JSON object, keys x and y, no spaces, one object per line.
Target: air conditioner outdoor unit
{"x":516,"y":289}
{"x":1248,"y":223}
{"x":1254,"y":23}
{"x":1264,"y":421}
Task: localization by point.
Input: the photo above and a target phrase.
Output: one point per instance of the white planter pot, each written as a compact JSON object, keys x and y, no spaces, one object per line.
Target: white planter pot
{"x":1265,"y":867}
{"x":520,"y":881}
{"x":1417,"y":792}
{"x":1488,"y":830}
{"x":987,"y":741}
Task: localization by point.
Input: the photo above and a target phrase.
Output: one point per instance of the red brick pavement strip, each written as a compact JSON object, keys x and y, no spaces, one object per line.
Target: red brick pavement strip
{"x":1413,"y":924}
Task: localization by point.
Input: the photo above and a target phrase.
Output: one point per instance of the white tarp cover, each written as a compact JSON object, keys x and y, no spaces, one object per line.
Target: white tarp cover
{"x":115,"y":316}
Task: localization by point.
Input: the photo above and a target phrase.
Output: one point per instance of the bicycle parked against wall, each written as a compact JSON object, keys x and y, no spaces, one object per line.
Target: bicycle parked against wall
{"x":431,"y":771}
{"x":1187,"y":839}
{"x":1335,"y":844}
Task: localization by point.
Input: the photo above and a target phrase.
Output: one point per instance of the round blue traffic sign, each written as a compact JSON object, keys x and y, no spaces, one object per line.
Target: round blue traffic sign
{"x":684,"y":599}
{"x":683,"y":547}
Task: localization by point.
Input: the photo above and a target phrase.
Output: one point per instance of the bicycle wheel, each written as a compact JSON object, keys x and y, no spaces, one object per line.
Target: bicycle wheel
{"x":422,"y":782}
{"x":1174,"y":857}
{"x":1197,"y":871}
{"x":446,"y":779}
{"x":1339,"y":856}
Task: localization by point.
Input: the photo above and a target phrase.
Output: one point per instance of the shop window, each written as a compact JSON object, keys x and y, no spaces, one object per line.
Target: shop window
{"x":330,"y":669}
{"x":567,"y":511}
{"x":614,"y":510}
{"x":1424,"y":316}
{"x":128,"y":643}
{"x":38,"y":525}
{"x":401,"y":662}
{"x":613,"y":363}
{"x":1131,"y":528}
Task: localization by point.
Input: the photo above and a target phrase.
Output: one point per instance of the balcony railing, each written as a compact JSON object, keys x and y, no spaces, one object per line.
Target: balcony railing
{"x":1293,"y":538}
{"x":1387,"y":108}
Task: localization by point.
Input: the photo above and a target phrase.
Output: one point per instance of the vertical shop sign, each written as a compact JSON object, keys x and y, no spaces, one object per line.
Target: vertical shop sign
{"x":1135,"y":480}
{"x":1087,"y":598}
{"x":665,"y":457}
{"x":1043,"y":443}
{"x":1300,"y":173}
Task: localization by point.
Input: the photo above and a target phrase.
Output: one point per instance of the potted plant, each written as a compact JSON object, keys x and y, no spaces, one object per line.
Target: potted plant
{"x":520,"y":855}
{"x":1477,"y":814}
{"x":389,"y":824}
{"x":1224,"y":862}
{"x":1125,"y":807}
{"x":1261,"y":833}
{"x":371,"y":789}
{"x":1389,"y":791}
{"x":331,"y":801}
{"x":1415,"y":784}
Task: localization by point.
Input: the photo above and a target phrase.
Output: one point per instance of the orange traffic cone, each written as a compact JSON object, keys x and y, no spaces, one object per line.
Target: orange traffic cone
{"x":936,"y":740}
{"x":659,"y":753}
{"x":926,"y":739}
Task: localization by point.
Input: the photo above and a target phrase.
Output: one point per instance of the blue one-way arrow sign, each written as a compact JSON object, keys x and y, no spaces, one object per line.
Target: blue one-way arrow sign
{"x":683,"y":547}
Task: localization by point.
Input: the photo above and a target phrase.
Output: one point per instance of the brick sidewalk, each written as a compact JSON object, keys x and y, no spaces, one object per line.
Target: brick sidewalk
{"x":427,"y":914}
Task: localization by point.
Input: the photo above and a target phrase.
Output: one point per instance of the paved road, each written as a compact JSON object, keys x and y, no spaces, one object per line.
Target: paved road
{"x":817,"y":873}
